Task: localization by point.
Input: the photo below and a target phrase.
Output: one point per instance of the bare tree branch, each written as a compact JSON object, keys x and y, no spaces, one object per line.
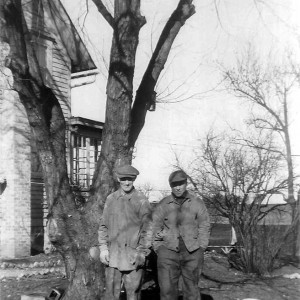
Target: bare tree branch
{"x":145,"y":94}
{"x":104,"y":12}
{"x":269,"y":90}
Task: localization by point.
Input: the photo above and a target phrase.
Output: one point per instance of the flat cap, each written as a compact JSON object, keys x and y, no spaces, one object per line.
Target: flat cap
{"x":127,"y":171}
{"x":177,"y":176}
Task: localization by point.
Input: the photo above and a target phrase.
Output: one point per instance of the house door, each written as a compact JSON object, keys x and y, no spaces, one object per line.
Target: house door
{"x":37,"y":213}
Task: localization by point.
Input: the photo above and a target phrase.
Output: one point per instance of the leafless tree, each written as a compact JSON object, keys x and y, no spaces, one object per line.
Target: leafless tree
{"x":146,"y":189}
{"x":268,"y":87}
{"x":236,"y":181}
{"x":74,"y":230}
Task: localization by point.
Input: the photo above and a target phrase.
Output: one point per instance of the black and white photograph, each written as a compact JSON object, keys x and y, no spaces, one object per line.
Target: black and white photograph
{"x":149,"y":150}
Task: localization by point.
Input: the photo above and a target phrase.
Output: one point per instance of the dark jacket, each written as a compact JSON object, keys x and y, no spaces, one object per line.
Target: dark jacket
{"x":189,"y":220}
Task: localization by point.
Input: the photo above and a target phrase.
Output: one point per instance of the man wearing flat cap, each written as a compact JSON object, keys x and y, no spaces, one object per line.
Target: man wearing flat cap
{"x":181,"y":230}
{"x":125,"y":236}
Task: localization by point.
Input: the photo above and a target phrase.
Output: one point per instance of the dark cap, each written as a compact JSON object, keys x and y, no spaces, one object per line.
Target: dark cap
{"x":177,"y":176}
{"x":127,"y":171}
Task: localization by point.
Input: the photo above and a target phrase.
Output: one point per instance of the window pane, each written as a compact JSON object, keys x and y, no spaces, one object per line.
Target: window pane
{"x":85,"y":153}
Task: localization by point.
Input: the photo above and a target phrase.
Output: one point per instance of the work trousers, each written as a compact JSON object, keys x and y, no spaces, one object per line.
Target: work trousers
{"x":131,"y":279}
{"x":171,"y":265}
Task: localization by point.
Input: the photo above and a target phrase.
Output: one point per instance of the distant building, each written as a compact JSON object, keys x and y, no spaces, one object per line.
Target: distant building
{"x":63,"y":58}
{"x":278,"y":217}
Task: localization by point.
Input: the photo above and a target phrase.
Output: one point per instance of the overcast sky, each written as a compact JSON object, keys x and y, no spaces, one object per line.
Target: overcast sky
{"x":209,"y":37}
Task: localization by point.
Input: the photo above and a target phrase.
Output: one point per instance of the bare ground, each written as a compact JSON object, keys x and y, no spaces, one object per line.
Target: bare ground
{"x":39,"y":274}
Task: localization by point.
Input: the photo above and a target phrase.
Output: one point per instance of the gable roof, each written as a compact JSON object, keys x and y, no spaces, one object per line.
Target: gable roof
{"x":51,"y":21}
{"x":76,"y":49}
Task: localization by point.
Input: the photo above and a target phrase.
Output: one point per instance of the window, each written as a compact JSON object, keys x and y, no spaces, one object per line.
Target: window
{"x":84,"y":154}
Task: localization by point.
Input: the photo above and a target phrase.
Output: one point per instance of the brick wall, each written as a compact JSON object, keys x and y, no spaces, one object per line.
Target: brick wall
{"x":15,"y":168}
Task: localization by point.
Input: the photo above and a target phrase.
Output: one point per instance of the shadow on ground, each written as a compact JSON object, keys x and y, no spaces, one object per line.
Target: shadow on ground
{"x":219,"y":281}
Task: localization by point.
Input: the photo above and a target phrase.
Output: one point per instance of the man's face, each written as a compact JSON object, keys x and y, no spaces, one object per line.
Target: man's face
{"x":178,"y":188}
{"x":126,"y":184}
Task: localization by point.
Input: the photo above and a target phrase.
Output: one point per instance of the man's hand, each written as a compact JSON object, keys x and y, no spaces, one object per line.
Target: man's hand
{"x":138,"y":259}
{"x":104,"y":257}
{"x":94,"y":252}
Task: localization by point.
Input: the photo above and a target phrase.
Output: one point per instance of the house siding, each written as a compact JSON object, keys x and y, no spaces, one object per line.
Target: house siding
{"x":22,"y":213}
{"x":59,"y":64}
{"x":23,"y":208}
{"x":61,"y":75}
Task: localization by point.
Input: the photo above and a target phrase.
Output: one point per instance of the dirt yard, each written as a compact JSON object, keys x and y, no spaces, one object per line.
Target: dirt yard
{"x":39,"y":274}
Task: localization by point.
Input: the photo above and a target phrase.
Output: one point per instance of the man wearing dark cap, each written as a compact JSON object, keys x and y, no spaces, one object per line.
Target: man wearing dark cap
{"x":124,"y":236}
{"x":181,"y":230}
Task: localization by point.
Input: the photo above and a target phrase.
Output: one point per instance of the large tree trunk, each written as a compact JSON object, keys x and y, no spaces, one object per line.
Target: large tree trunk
{"x":115,"y":147}
{"x":73,"y":229}
{"x":145,"y":95}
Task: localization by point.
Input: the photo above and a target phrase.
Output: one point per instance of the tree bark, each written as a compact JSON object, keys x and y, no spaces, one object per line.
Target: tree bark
{"x":115,"y":147}
{"x":145,"y":92}
{"x":73,"y":229}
